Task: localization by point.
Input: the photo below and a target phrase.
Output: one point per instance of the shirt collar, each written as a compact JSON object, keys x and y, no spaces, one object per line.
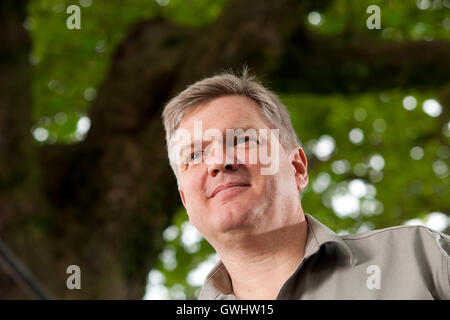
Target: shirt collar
{"x":319,"y":235}
{"x":218,"y":282}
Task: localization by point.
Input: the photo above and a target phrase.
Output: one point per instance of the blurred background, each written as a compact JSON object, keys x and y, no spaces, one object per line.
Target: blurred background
{"x":84,"y":175}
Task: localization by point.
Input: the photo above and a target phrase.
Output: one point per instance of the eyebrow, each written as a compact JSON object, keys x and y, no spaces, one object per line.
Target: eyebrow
{"x":191,"y":145}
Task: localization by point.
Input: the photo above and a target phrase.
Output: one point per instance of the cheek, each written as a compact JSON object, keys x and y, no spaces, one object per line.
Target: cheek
{"x":193,"y":186}
{"x":281,"y":183}
{"x":287,"y":176}
{"x":261,"y":184}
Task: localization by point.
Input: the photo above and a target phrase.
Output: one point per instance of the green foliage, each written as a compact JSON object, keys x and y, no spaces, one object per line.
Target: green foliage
{"x":178,"y":258}
{"x":400,"y":20}
{"x":402,"y":190}
{"x":70,"y":64}
{"x":192,"y":13}
{"x":390,"y":131}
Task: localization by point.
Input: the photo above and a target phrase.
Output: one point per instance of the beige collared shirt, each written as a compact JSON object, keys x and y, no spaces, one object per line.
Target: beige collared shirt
{"x":404,"y":262}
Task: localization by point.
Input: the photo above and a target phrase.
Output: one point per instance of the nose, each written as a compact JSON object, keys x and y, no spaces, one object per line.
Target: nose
{"x":215,"y":168}
{"x":216,"y":163}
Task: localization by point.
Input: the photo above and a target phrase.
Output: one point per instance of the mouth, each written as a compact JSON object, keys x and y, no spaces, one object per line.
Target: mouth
{"x":228,"y":188}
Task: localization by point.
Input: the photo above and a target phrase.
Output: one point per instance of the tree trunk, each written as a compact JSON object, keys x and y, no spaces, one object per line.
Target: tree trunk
{"x":103,"y":203}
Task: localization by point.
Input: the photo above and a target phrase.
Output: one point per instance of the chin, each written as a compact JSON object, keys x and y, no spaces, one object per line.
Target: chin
{"x":229,"y":219}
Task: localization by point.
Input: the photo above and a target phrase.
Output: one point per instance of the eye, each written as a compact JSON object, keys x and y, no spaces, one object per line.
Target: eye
{"x":195,"y":155}
{"x":245,"y":139}
{"x":240,"y":140}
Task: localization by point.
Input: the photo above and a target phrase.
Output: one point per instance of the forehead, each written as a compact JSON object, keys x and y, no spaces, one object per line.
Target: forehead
{"x":226,"y":112}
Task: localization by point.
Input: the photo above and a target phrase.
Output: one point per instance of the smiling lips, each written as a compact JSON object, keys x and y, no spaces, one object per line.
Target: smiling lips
{"x":228,"y":186}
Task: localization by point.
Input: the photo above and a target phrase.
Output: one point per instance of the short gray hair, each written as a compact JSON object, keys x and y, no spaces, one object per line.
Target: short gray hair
{"x":203,"y":91}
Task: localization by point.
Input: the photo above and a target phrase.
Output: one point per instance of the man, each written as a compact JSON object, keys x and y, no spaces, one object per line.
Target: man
{"x":250,"y":210}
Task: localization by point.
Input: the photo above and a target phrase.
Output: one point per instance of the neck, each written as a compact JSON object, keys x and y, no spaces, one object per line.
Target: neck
{"x":273,"y":255}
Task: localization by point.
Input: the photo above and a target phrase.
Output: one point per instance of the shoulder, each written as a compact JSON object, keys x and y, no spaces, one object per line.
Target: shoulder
{"x":416,"y":254}
{"x":408,"y":239}
{"x":398,"y":231}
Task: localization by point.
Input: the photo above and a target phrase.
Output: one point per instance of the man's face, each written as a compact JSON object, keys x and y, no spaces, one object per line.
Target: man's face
{"x":223,"y":198}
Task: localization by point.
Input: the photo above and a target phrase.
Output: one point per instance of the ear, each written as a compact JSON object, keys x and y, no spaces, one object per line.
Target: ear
{"x":182,"y":197}
{"x":299,"y":162}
